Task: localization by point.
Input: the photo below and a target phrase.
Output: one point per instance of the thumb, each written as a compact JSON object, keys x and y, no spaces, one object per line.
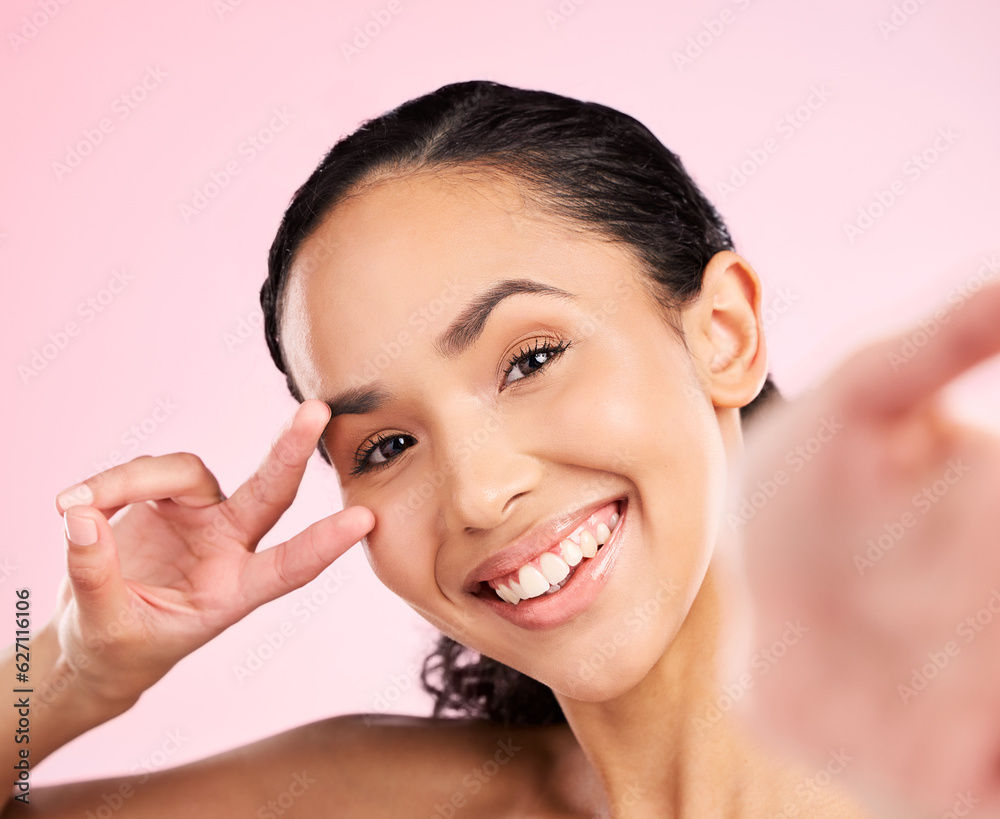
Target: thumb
{"x":95,"y":573}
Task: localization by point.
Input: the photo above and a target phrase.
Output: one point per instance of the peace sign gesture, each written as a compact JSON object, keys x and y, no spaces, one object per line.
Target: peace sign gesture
{"x":180,"y":565}
{"x":871,"y":519}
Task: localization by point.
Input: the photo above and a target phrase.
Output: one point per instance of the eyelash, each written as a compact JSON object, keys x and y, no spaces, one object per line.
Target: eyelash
{"x":552,"y":349}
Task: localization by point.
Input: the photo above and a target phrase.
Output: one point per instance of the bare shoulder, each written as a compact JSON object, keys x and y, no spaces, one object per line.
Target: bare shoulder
{"x":346,"y":766}
{"x":416,"y":766}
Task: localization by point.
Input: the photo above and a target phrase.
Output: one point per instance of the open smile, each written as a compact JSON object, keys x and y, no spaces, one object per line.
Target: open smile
{"x":562,"y":581}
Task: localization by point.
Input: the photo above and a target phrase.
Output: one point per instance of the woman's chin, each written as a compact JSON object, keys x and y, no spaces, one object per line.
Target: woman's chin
{"x":600,"y":676}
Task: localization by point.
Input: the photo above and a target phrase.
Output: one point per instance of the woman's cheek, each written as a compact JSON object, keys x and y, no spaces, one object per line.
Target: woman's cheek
{"x":393,"y":545}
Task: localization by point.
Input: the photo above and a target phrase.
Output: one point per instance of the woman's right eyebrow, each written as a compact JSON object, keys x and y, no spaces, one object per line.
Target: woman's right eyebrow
{"x":359,"y":400}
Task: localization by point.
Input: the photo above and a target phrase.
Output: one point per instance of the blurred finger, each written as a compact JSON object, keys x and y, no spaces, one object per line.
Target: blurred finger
{"x":896,"y":374}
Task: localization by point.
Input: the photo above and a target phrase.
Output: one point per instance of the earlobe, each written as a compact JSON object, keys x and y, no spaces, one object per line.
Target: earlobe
{"x":725,"y":331}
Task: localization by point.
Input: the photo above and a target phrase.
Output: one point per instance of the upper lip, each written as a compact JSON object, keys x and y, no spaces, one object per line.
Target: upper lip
{"x":540,"y":539}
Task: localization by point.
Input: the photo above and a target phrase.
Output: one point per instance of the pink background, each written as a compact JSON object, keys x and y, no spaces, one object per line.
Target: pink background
{"x":173,"y":333}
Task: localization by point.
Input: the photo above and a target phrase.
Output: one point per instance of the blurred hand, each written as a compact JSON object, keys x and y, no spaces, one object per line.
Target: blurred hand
{"x":180,"y":565}
{"x":873,"y":520}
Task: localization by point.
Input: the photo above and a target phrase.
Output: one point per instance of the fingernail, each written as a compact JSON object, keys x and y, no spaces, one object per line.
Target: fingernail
{"x":80,"y":530}
{"x":79,"y":495}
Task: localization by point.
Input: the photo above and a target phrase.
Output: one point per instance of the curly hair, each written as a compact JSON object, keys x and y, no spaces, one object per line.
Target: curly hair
{"x":598,"y":169}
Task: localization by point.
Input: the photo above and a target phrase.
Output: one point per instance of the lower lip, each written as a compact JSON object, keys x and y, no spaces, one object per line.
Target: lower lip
{"x":551,"y":610}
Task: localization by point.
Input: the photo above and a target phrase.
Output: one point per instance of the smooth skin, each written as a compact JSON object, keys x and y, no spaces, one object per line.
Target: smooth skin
{"x":632,"y":747}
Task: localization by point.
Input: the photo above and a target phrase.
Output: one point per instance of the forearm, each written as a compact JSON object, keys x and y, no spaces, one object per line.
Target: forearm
{"x":47,"y":709}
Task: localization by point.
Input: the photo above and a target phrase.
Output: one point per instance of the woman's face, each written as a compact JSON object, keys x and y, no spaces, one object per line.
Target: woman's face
{"x":482,"y":428}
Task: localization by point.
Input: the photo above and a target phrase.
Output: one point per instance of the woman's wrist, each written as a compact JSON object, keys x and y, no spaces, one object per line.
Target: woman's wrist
{"x":66,"y":691}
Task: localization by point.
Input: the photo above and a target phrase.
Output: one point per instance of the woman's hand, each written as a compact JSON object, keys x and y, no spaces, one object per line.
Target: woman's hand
{"x":872,"y":534}
{"x":180,"y":565}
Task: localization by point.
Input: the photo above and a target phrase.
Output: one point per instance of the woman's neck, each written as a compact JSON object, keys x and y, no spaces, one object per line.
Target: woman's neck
{"x":656,"y":748}
{"x":665,"y":748}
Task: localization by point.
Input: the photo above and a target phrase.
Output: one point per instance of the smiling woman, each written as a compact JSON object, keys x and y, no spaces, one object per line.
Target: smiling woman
{"x":539,"y":466}
{"x":514,"y":185}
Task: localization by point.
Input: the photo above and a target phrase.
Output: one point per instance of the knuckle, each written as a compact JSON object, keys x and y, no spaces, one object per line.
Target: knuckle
{"x":191,"y":463}
{"x":87,"y":578}
{"x":282,"y":457}
{"x":282,"y":570}
{"x":258,"y":489}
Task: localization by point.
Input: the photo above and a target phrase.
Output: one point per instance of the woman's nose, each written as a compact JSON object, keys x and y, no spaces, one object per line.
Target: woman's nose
{"x":486,"y":472}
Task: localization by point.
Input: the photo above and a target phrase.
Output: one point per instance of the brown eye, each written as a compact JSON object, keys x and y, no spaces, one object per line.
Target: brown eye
{"x":527,"y":362}
{"x":380,"y":452}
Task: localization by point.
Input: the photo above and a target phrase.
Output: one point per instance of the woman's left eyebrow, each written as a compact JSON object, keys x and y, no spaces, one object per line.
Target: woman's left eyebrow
{"x":470,"y":323}
{"x":460,"y":335}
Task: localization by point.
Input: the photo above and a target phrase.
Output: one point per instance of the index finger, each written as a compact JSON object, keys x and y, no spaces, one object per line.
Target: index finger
{"x":893,"y":375}
{"x":263,"y":498}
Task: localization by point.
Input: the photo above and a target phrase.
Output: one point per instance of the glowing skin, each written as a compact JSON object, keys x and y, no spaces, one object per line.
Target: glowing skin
{"x":618,"y":413}
{"x":624,"y":411}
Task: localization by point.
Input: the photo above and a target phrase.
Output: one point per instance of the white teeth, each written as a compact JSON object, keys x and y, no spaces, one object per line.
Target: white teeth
{"x":506,"y":594}
{"x":532,"y":581}
{"x":571,"y":552}
{"x":553,"y":567}
{"x":552,"y":571}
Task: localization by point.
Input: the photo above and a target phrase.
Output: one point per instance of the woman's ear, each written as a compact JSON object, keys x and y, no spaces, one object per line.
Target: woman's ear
{"x":724,"y":331}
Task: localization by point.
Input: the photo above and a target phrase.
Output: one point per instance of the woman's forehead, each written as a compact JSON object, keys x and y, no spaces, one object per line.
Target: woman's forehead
{"x":412,"y":252}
